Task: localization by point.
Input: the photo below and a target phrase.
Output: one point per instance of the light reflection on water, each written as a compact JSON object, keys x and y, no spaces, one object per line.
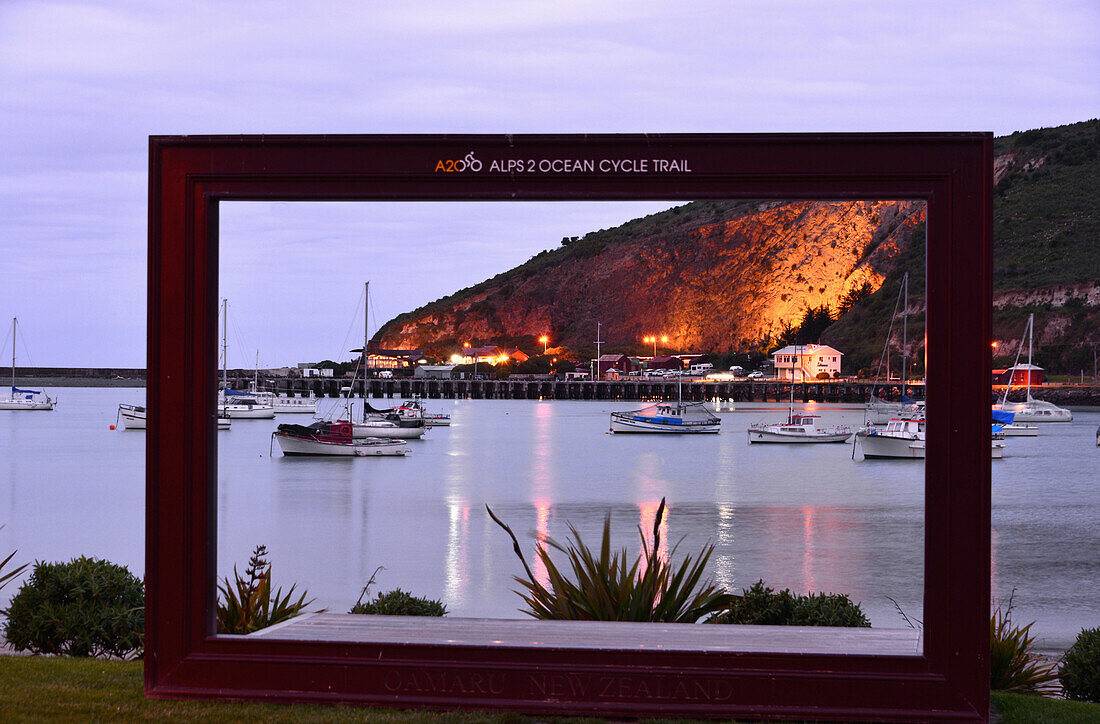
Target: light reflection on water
{"x":808,"y":518}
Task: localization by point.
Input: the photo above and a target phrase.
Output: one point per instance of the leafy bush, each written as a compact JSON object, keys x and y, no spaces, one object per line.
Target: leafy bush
{"x":1013,"y":665}
{"x":247,"y":604}
{"x":606,"y":588}
{"x":399,"y":603}
{"x":1080,"y":672}
{"x":6,"y":578}
{"x":86,"y":607}
{"x":760,"y":605}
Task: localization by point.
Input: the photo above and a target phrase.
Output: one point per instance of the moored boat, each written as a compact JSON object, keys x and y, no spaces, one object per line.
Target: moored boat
{"x":241,"y":406}
{"x":20,"y":399}
{"x":414,"y":408}
{"x":1030,"y":410}
{"x":332,"y":439}
{"x":904,"y":438}
{"x":306,"y":404}
{"x":668,"y":417}
{"x":388,"y":425}
{"x":133,"y":418}
{"x":798,"y":429}
{"x":1005,"y":424}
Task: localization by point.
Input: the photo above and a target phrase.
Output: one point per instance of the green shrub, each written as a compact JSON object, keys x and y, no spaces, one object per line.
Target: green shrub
{"x":399,"y":603}
{"x":247,"y":604}
{"x":1080,"y":673}
{"x":1013,"y":665}
{"x":86,"y":607}
{"x":762,"y":606}
{"x":606,"y":588}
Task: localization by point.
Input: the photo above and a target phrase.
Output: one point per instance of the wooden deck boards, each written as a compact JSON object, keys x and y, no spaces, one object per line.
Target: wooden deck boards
{"x":328,"y":627}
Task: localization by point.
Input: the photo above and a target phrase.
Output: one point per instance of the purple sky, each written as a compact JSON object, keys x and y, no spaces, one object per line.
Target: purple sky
{"x":83,"y":85}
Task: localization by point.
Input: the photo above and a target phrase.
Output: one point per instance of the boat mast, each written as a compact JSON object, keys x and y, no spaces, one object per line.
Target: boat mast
{"x":1030,"y":334}
{"x":14,"y":324}
{"x":225,"y":349}
{"x":904,"y":334}
{"x":366,"y":337}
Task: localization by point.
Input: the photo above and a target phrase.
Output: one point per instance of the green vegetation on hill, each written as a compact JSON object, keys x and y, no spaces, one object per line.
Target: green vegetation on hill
{"x":1046,"y":208}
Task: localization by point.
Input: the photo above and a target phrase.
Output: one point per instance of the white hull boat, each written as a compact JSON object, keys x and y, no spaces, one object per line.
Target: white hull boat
{"x":26,"y":403}
{"x":1033,"y":410}
{"x":19,"y":399}
{"x":798,"y":429}
{"x":414,"y":409}
{"x":904,"y":439}
{"x":1020,"y":430}
{"x":674,"y":418}
{"x":304,"y":405}
{"x":1030,"y":410}
{"x":388,"y":428}
{"x":237,"y":407}
{"x":880,"y":412}
{"x":133,"y":418}
{"x":333,"y":439}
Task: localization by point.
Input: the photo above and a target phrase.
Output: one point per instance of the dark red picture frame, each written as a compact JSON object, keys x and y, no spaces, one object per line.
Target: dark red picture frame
{"x":190,"y":176}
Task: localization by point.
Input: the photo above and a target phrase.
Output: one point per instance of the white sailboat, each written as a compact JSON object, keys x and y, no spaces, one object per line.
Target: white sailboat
{"x":20,"y":399}
{"x":879,"y":411}
{"x":232,"y":404}
{"x":388,"y":424}
{"x":801,"y":428}
{"x":1030,"y":410}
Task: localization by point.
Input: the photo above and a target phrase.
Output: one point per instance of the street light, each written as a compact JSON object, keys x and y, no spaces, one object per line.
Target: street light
{"x":545,"y":340}
{"x":466,"y":346}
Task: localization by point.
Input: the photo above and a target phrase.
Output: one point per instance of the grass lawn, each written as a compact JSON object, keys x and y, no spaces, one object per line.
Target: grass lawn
{"x":34,"y":688}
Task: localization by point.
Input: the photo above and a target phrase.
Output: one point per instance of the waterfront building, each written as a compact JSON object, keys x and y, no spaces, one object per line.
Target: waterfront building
{"x":1019,"y":376}
{"x":392,"y":359}
{"x":806,"y":361}
{"x":619,"y":362}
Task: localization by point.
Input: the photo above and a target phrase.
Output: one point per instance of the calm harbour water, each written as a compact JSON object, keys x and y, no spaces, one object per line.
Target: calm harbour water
{"x":804,"y":517}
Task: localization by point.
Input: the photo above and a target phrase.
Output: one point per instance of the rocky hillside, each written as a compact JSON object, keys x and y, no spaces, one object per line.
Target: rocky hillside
{"x":728,"y":276}
{"x":709,"y":275}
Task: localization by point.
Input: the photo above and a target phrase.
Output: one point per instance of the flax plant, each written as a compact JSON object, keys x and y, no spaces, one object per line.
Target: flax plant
{"x":1013,"y":665}
{"x":6,"y":578}
{"x":247,"y":604}
{"x":606,"y":587}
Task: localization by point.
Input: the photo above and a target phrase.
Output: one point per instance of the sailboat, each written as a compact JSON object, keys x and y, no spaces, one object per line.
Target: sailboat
{"x":20,"y":399}
{"x":388,"y":424}
{"x":1030,"y":410}
{"x":879,"y":411}
{"x":798,"y":428}
{"x":231,"y":403}
{"x":676,"y":418}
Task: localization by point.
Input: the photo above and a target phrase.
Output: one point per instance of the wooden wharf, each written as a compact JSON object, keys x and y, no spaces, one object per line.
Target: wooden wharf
{"x":649,"y":390}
